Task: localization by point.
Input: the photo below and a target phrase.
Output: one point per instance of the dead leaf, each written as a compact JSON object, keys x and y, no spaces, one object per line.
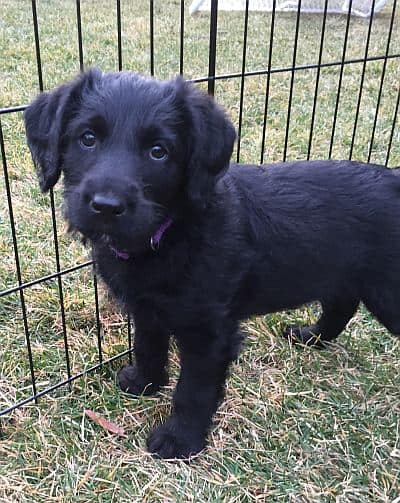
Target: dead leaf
{"x":85,"y":478}
{"x":105,"y":423}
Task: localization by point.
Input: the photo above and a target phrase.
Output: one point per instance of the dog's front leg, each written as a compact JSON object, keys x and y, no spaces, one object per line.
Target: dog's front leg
{"x":199,"y":390}
{"x":151,"y":356}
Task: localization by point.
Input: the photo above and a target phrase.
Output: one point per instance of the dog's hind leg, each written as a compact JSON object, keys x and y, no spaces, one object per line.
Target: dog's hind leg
{"x":334,"y":318}
{"x":384,"y":304}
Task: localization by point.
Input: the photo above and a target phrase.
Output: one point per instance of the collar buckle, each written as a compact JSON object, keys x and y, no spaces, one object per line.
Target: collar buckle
{"x":154,"y":244}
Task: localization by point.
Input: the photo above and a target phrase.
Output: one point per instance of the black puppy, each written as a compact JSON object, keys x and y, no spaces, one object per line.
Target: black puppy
{"x":192,"y":246}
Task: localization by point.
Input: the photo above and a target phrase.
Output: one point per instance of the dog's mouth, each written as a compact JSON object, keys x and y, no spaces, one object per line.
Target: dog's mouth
{"x":120,"y":253}
{"x":124,"y":252}
{"x":123,"y":247}
{"x":121,"y":244}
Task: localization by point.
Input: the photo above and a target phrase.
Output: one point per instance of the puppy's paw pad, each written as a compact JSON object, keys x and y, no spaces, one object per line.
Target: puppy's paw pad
{"x":292,"y":334}
{"x":166,"y":443}
{"x":307,"y":336}
{"x":130,"y":381}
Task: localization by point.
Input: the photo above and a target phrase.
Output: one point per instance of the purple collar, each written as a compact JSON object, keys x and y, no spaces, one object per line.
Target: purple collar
{"x":154,"y":240}
{"x":156,"y":237}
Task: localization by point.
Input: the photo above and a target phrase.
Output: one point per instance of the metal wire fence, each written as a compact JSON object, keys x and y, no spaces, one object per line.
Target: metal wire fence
{"x":29,"y":385}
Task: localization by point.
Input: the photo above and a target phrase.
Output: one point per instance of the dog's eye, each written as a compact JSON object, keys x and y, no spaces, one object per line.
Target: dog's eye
{"x":88,"y":139}
{"x":158,"y":153}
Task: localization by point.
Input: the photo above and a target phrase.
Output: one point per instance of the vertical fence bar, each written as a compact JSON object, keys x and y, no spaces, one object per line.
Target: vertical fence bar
{"x":98,"y":322}
{"x":246,"y":22}
{"x":52,"y":205}
{"x":181,"y":37}
{"x":130,"y":346}
{"x":96,"y":295}
{"x":17,"y":264}
{"x":128,"y":321}
{"x":79,"y":27}
{"x":271,"y":43}
{"x":37,"y":45}
{"x":151,"y":37}
{"x":393,"y":128}
{"x":353,"y":138}
{"x":346,"y":35}
{"x":212,"y":54}
{"x":317,"y":79}
{"x":371,"y":145}
{"x":119,"y":35}
{"x":296,"y":37}
{"x":59,"y":284}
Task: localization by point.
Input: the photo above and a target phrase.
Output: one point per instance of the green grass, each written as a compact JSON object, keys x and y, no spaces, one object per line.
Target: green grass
{"x":296,"y":425}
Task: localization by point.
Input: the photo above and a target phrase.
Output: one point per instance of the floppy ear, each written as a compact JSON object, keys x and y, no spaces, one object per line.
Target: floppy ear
{"x":45,"y":121}
{"x":212,"y":137}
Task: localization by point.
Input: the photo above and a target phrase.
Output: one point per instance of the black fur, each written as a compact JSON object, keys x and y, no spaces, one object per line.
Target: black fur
{"x":244,"y":240}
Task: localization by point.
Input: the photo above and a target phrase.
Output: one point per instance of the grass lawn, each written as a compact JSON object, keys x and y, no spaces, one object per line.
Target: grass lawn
{"x":296,"y":425}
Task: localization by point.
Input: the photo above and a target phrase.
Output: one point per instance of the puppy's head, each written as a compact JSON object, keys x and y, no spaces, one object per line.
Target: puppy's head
{"x":133,"y":150}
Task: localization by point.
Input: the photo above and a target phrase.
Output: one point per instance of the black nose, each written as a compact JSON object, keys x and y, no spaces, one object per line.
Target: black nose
{"x":107,"y":205}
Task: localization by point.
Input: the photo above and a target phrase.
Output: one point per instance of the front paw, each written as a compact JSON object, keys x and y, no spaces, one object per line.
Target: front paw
{"x":172,"y":440}
{"x":131,"y":381}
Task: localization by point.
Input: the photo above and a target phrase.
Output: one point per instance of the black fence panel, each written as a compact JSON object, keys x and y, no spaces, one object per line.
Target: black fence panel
{"x":56,"y":320}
